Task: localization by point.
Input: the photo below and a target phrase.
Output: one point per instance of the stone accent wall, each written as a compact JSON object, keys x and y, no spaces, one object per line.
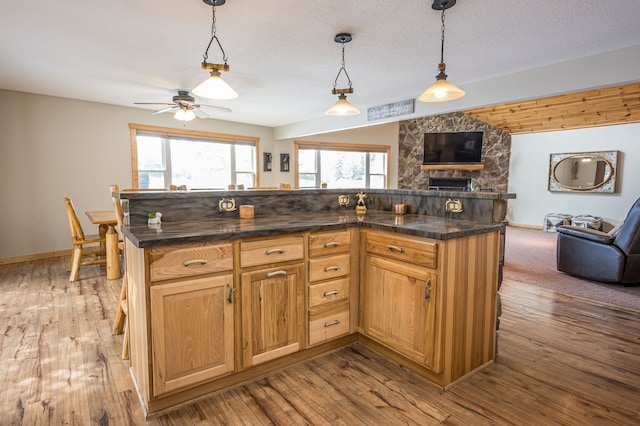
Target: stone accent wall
{"x":496,"y":151}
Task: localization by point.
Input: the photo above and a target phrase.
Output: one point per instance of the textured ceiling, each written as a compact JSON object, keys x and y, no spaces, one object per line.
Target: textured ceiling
{"x":282,"y":55}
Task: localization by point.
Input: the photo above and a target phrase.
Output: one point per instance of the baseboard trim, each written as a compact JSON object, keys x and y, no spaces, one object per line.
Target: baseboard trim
{"x":524,"y":225}
{"x":36,"y":256}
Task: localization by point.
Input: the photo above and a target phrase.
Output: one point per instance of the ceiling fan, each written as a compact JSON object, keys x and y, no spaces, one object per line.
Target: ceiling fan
{"x":184,"y":107}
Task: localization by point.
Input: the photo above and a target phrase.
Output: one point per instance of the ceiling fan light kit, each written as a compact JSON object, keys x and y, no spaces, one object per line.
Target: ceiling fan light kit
{"x":184,"y":114}
{"x":441,"y":90}
{"x":342,"y":107}
{"x":184,"y":106}
{"x":214,"y":87}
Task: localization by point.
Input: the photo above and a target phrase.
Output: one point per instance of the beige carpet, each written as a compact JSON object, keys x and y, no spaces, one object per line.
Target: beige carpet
{"x":530,"y":257}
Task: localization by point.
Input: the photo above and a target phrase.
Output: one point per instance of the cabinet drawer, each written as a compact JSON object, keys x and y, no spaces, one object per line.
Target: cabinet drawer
{"x":328,"y":292}
{"x":329,"y":324}
{"x":401,"y":248}
{"x":327,"y":243}
{"x":273,"y":250}
{"x":329,"y":267}
{"x":185,"y":261}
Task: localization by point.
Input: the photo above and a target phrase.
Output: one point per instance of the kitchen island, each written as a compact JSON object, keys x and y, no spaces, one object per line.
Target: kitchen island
{"x":221,"y":300}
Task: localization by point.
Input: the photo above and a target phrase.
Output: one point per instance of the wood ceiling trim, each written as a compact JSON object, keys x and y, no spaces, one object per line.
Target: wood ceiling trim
{"x":591,"y":108}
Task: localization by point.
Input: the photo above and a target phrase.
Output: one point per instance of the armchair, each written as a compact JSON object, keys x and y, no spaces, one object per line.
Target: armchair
{"x":601,"y":256}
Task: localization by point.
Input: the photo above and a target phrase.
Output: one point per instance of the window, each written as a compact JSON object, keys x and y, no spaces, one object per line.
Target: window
{"x":341,"y":165}
{"x":164,"y":157}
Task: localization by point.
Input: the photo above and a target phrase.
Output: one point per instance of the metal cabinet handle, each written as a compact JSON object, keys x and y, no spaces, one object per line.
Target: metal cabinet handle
{"x":275,"y":273}
{"x":330,"y":293}
{"x":395,"y":248}
{"x":330,"y":323}
{"x":194,"y":261}
{"x":331,"y":244}
{"x":427,"y":290}
{"x":275,"y":250}
{"x":331,"y":268}
{"x":231,"y":291}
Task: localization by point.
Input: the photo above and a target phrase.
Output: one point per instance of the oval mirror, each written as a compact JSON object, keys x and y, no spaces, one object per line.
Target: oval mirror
{"x":586,"y":171}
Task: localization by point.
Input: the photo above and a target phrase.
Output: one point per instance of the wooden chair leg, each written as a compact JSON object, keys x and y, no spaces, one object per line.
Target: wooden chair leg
{"x":125,"y":342}
{"x":118,"y":324}
{"x":76,"y":258}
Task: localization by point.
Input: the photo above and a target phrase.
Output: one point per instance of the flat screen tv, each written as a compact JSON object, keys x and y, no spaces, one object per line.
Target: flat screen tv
{"x":452,"y":148}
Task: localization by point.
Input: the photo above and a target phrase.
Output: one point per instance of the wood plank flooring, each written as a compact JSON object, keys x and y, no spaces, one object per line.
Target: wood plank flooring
{"x":562,"y":361}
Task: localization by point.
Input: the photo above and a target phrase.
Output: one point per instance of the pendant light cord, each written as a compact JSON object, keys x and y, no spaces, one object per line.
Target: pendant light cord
{"x":335,"y":83}
{"x":442,"y":38}
{"x":214,"y":37}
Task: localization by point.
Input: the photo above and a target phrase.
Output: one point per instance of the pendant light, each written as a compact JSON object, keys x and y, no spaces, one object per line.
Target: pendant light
{"x":215,"y":87}
{"x":342,"y":107}
{"x":441,"y":90}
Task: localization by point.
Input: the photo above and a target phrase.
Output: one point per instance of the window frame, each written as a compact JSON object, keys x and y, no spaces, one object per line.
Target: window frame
{"x":340,"y":146}
{"x":167,"y":132}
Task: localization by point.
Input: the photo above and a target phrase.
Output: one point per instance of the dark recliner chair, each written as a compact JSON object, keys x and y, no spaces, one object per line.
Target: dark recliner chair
{"x":600,"y":256}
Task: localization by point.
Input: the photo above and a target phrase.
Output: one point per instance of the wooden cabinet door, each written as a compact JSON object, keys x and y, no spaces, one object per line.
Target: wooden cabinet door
{"x":400,"y":309}
{"x":272,"y":313}
{"x":192,"y":332}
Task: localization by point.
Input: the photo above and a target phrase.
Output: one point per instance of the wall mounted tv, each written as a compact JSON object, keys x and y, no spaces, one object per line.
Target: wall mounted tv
{"x":452,"y":148}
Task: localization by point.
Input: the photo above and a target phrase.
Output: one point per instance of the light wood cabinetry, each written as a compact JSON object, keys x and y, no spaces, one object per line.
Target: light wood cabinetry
{"x":181,"y":317}
{"x":401,"y":306}
{"x":272,"y":298}
{"x":192,"y":332}
{"x":271,"y":250}
{"x":180,"y":262}
{"x":427,"y":304}
{"x":400,"y":309}
{"x":272,"y":313}
{"x":432,"y":302}
{"x":329,"y":287}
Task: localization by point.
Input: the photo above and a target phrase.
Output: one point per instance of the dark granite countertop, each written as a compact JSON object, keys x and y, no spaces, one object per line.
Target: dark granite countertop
{"x":232,"y":227}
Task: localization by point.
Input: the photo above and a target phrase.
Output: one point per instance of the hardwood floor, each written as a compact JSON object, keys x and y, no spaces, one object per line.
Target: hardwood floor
{"x":561,"y":361}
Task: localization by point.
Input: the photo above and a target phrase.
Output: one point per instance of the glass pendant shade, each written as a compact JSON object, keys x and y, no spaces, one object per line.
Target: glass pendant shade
{"x":342,"y":107}
{"x":441,"y":91}
{"x":215,"y":87}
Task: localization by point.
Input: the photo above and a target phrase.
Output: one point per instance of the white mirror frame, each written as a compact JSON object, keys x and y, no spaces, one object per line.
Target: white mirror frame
{"x":609,"y":182}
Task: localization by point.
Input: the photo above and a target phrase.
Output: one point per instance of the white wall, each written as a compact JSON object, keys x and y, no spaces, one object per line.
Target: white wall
{"x":55,"y":147}
{"x":529,"y":170}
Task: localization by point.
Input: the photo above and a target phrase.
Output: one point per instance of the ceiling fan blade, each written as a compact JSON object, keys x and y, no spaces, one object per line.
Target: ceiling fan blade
{"x":217,"y":108}
{"x":153,"y":103}
{"x":200,"y":113}
{"x":170,"y":109}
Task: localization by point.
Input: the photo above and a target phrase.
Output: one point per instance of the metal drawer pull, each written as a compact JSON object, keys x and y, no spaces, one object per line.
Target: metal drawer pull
{"x":331,"y":244}
{"x":191,"y":262}
{"x":330,"y":323}
{"x":330,"y":293}
{"x":276,"y":250}
{"x":231,"y":291}
{"x":427,"y":290}
{"x":275,"y":273}
{"x":394,"y":248}
{"x":331,"y":268}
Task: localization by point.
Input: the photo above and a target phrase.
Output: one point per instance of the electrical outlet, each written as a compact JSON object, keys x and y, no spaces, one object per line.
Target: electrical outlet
{"x":227,"y":205}
{"x":453,"y":206}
